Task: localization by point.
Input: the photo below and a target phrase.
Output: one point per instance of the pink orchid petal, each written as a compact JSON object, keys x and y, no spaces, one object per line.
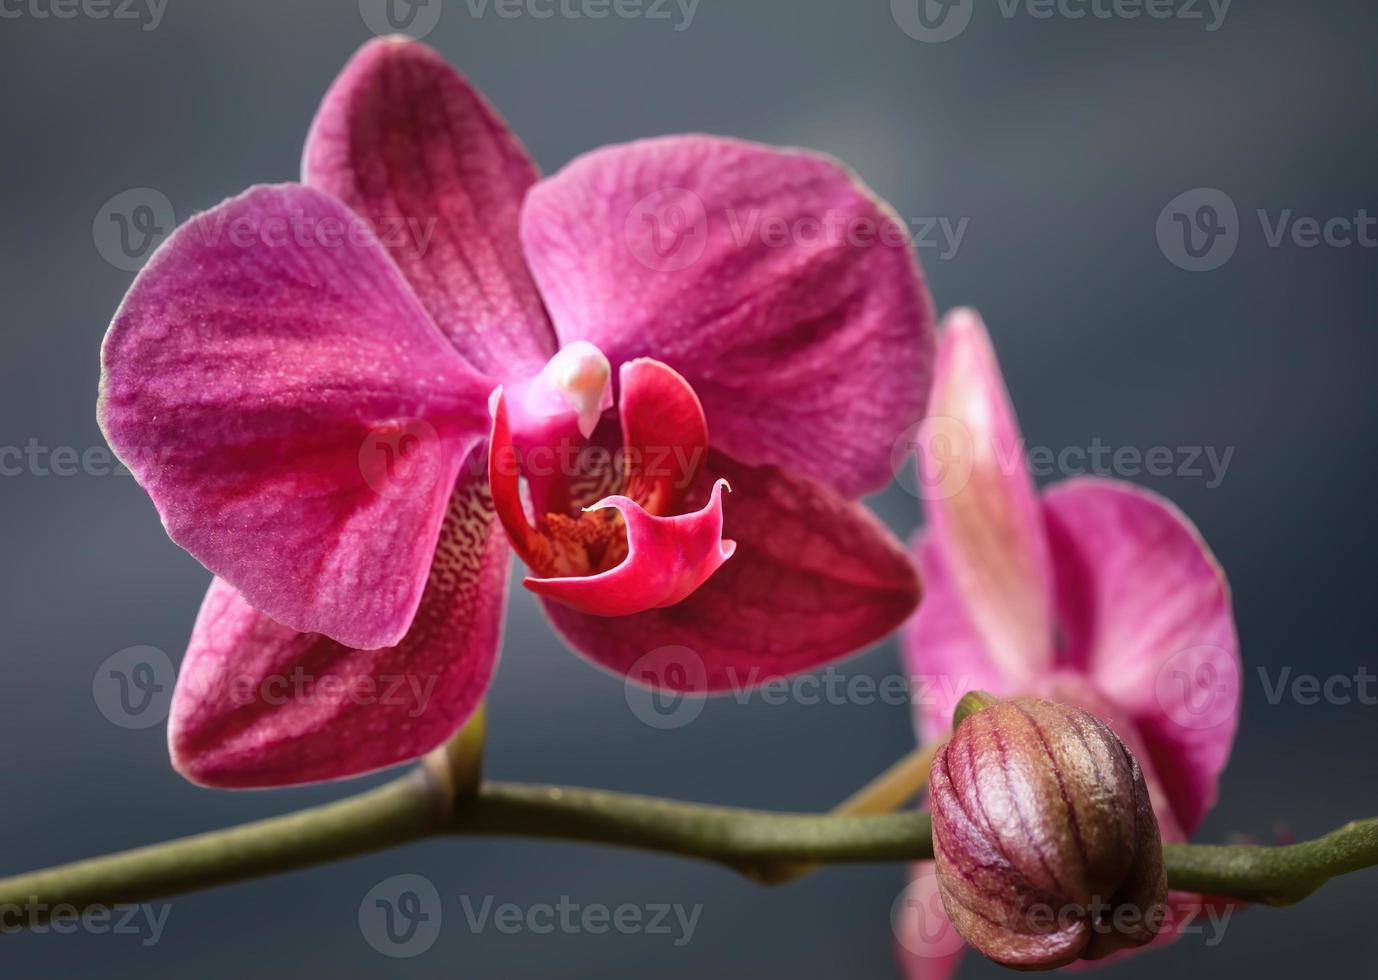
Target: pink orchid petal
{"x":928,"y":945}
{"x":943,"y":654}
{"x":1146,"y":609}
{"x":946,"y":658}
{"x":810,"y":348}
{"x":411,"y":146}
{"x":668,"y":559}
{"x":814,"y":578}
{"x":984,"y":509}
{"x":664,"y":434}
{"x":258,"y":704}
{"x":274,"y":385}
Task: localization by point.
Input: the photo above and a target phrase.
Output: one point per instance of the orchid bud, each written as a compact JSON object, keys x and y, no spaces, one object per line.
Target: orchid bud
{"x":1046,"y":845}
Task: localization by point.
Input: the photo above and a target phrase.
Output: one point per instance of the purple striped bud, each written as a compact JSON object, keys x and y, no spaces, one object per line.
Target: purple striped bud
{"x":1046,"y":845}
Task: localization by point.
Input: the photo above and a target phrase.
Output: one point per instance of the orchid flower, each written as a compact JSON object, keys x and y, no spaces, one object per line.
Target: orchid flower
{"x":1096,"y":593}
{"x":354,"y":434}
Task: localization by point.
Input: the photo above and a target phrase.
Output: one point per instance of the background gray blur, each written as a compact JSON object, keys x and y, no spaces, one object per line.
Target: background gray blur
{"x":1060,"y":140}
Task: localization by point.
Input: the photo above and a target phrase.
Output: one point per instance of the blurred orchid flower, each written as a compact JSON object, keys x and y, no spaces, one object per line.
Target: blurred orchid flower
{"x":1096,"y":593}
{"x":333,"y":391}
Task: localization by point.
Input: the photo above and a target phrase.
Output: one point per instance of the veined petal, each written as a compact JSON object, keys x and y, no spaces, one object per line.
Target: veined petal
{"x":668,"y":558}
{"x":815,"y":577}
{"x":985,"y":512}
{"x":1146,"y":612}
{"x":778,"y":285}
{"x":296,"y":417}
{"x":944,"y":655}
{"x":411,"y":146}
{"x":258,"y":704}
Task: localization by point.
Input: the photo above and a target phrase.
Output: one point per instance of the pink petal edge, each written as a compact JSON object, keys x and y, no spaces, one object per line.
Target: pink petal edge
{"x":258,"y":704}
{"x":812,"y":353}
{"x":409,"y":144}
{"x":261,"y":382}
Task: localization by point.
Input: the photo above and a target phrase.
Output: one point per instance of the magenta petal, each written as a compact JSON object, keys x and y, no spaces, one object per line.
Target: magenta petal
{"x":944,"y":654}
{"x":668,"y":558}
{"x":258,"y":704}
{"x":814,"y":578}
{"x":981,"y":503}
{"x":409,"y":144}
{"x":292,"y":411}
{"x":1146,"y":612}
{"x":781,"y":288}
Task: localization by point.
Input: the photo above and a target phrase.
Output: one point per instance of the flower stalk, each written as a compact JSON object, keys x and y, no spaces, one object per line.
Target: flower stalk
{"x":405,"y":811}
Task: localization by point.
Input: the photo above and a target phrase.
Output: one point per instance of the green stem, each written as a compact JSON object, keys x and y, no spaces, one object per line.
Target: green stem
{"x":1273,"y":875}
{"x":416,"y":806}
{"x":401,"y":811}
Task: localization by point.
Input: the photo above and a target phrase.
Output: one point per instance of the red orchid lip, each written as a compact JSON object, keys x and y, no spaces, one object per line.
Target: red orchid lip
{"x":629,"y":551}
